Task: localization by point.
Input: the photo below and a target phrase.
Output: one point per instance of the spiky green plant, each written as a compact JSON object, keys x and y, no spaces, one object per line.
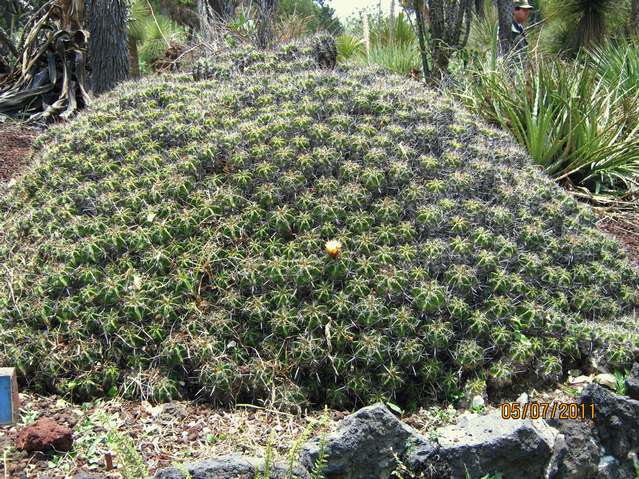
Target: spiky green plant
{"x":349,"y":46}
{"x":150,"y":35}
{"x":578,"y":126}
{"x":393,"y":45}
{"x":398,"y":58}
{"x":582,"y":23}
{"x":171,"y":243}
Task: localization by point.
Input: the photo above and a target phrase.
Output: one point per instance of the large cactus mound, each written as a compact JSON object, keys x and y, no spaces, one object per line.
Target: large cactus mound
{"x":171,"y":242}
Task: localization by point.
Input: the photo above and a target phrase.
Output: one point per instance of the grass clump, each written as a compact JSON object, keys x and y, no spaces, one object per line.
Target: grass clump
{"x":171,"y":243}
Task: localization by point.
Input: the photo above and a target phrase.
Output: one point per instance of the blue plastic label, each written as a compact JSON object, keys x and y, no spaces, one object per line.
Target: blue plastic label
{"x":6,"y":398}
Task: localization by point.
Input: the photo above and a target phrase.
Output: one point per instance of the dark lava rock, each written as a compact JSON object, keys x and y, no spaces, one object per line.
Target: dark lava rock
{"x":632,"y":382}
{"x":481,"y":445}
{"x":576,"y":453}
{"x":230,"y":467}
{"x":365,"y":446}
{"x":616,"y":420}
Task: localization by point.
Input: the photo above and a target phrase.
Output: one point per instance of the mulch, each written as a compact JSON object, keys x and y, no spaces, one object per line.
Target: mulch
{"x":625,"y":227}
{"x":163,"y":435}
{"x":15,"y":147}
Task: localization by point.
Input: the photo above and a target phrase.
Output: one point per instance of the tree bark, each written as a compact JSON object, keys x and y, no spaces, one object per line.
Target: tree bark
{"x":222,"y":8}
{"x":505,"y":11}
{"x":634,"y":17}
{"x":134,"y":59}
{"x":449,"y":28}
{"x":265,"y":23}
{"x":108,"y":45}
{"x":419,"y":18}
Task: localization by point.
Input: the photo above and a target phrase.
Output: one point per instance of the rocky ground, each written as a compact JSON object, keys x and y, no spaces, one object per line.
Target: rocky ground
{"x":181,"y":432}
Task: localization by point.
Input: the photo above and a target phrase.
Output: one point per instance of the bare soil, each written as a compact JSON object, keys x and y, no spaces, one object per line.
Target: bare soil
{"x":625,"y":227}
{"x":15,"y":147}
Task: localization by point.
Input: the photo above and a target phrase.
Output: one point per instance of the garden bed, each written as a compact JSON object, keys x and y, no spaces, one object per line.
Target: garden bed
{"x":182,"y":431}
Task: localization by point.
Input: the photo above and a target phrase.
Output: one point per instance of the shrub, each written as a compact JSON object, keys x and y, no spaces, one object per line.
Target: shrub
{"x":575,"y":120}
{"x":170,"y":242}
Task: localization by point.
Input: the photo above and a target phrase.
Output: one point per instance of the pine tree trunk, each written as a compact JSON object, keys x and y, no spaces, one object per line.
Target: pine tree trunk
{"x":108,"y":45}
{"x":479,"y":8}
{"x":134,"y":59}
{"x":222,"y":8}
{"x":634,"y":17}
{"x":421,"y":28}
{"x":505,"y":11}
{"x":265,"y":23}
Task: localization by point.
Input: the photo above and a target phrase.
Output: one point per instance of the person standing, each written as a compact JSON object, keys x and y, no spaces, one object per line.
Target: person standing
{"x":521,"y":13}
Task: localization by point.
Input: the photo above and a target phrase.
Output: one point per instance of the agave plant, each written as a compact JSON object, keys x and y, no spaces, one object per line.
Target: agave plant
{"x":579,"y":127}
{"x":349,"y":46}
{"x":582,"y":23}
{"x":617,"y":63}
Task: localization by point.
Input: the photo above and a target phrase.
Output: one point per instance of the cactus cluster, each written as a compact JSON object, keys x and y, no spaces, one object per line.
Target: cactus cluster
{"x":325,"y":51}
{"x":174,"y":242}
{"x":320,"y":51}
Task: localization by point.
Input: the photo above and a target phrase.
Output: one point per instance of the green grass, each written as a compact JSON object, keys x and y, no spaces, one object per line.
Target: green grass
{"x":397,"y":58}
{"x":170,"y":243}
{"x":393,"y":46}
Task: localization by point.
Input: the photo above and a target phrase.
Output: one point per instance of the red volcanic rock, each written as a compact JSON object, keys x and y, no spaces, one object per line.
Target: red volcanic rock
{"x":44,"y":434}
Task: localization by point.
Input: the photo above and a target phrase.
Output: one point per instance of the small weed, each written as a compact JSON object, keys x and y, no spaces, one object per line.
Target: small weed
{"x":5,"y":461}
{"x":322,"y":462}
{"x":395,"y":408}
{"x":318,"y":468}
{"x":28,"y":416}
{"x":402,"y":471}
{"x":571,"y":391}
{"x":620,"y":385}
{"x":130,"y":462}
{"x":297,"y":445}
{"x":265,"y":473}
{"x":478,"y":409}
{"x":215,"y":438}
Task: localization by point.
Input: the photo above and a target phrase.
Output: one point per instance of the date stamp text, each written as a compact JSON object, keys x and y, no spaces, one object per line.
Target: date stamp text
{"x":548,"y":410}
